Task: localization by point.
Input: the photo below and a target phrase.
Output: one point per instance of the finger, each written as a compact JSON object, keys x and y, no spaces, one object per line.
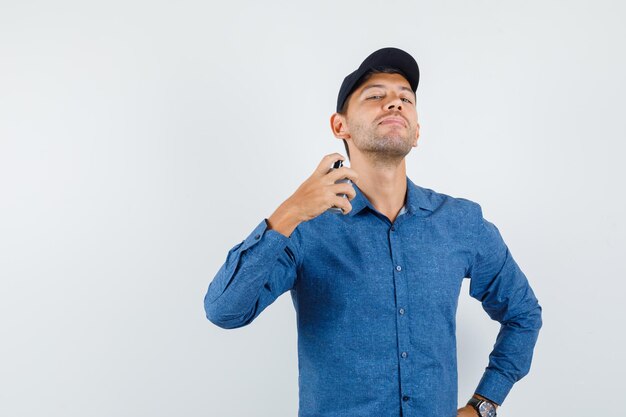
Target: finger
{"x":327,"y":162}
{"x":344,"y":188}
{"x":342,"y":203}
{"x":343,"y":172}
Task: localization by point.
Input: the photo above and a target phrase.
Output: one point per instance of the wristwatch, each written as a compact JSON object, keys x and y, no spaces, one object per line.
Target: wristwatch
{"x":484,"y":408}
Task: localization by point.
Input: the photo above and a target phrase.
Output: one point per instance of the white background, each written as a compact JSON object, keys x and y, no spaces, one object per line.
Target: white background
{"x":141,"y":140}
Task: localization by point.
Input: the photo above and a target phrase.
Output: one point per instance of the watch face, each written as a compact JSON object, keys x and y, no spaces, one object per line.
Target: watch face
{"x":487,"y":409}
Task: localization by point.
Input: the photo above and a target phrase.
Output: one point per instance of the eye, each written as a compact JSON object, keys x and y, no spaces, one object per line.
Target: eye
{"x":407,"y":100}
{"x":373,"y":97}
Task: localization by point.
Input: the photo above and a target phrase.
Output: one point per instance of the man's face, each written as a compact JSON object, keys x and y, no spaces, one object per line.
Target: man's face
{"x":382,"y":118}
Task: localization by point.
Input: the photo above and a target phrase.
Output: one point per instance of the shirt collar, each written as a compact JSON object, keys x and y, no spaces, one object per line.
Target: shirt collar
{"x":416,"y":198}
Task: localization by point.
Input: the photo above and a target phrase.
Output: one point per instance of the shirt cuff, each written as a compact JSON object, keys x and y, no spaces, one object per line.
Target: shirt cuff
{"x":494,"y":386}
{"x":276,"y":240}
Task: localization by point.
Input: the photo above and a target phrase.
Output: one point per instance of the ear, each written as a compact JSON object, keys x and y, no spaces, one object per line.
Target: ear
{"x":417,"y":134}
{"x":339,"y":126}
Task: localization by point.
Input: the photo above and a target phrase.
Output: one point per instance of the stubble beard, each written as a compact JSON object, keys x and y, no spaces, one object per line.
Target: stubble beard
{"x":387,"y":148}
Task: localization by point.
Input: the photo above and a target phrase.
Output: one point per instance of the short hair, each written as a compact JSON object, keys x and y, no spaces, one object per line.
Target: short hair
{"x":363,"y":79}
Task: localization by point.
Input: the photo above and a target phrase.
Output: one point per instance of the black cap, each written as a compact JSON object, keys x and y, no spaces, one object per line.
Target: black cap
{"x":385,"y":57}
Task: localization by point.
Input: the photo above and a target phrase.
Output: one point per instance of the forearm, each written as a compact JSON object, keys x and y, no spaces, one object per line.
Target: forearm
{"x":512,"y":354}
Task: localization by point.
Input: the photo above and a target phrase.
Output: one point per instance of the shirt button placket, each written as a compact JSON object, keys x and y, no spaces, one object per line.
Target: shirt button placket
{"x":402,"y":323}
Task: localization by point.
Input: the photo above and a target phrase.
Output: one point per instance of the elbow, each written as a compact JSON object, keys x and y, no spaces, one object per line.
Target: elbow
{"x":538,"y":317}
{"x":534,"y":318}
{"x":529,"y":320}
{"x":218,"y":315}
{"x":223,"y":321}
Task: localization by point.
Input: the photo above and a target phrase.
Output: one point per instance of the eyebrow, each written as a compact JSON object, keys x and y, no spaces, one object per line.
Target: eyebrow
{"x":383,"y":86}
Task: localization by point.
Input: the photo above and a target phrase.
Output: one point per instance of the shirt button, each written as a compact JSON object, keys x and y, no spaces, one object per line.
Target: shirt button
{"x":398,"y":268}
{"x":405,"y":398}
{"x":401,"y":311}
{"x":257,"y":237}
{"x":393,"y":228}
{"x":404,"y":354}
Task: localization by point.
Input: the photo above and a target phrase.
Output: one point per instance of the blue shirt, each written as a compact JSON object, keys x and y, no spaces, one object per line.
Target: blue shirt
{"x":376,"y":303}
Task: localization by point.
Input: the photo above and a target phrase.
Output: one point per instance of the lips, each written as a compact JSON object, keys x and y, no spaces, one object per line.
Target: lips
{"x":393,"y":120}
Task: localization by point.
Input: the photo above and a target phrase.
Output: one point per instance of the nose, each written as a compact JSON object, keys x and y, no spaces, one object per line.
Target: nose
{"x":395,"y":103}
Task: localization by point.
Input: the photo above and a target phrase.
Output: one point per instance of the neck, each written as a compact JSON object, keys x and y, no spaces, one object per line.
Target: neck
{"x":384,"y":184}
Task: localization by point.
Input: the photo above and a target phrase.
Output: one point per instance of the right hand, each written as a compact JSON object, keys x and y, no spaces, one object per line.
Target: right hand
{"x":319,"y":192}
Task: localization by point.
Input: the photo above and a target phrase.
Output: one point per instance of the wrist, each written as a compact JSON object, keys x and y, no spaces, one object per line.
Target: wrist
{"x":483,"y":406}
{"x":480,"y":397}
{"x":284,"y":220}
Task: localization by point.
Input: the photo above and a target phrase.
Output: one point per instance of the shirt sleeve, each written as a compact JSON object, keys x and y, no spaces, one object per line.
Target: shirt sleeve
{"x":256,"y":272}
{"x":503,"y":289}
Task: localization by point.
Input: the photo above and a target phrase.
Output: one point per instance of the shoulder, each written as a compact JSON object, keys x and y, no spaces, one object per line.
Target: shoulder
{"x":450,"y":204}
{"x":462,"y":215}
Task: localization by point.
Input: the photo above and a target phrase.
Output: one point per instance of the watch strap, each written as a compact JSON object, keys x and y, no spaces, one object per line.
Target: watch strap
{"x":476,"y":402}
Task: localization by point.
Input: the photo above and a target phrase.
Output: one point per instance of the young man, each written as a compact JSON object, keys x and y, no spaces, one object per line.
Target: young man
{"x":376,"y":288}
